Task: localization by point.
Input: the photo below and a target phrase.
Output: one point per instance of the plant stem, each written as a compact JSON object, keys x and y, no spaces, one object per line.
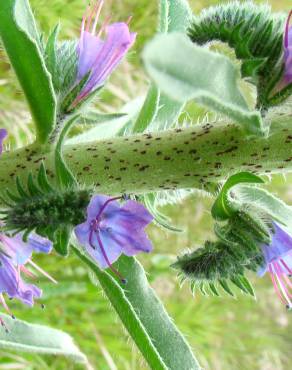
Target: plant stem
{"x":181,"y":158}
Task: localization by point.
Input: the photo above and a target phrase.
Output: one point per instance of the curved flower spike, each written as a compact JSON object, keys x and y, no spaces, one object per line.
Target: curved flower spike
{"x":112,"y":229}
{"x":3,"y":134}
{"x":14,"y":255}
{"x":288,"y":51}
{"x":278,"y":257}
{"x":100,"y":56}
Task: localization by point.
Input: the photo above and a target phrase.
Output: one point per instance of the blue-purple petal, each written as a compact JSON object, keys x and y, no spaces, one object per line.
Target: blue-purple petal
{"x":12,"y":284}
{"x":120,"y":227}
{"x":280,"y":248}
{"x":82,"y":232}
{"x":112,"y":250}
{"x":40,"y":244}
{"x":88,"y":49}
{"x":21,"y":251}
{"x":96,"y":203}
{"x":288,"y":51}
{"x":100,"y":57}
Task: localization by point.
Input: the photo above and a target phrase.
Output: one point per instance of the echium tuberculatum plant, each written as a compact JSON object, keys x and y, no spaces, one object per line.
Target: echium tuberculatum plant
{"x":95,"y":197}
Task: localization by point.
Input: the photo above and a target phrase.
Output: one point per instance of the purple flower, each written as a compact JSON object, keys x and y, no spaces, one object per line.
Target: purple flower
{"x":98,"y":55}
{"x":14,"y":255}
{"x":3,"y":134}
{"x":278,"y":258}
{"x":112,"y":229}
{"x":288,"y":51}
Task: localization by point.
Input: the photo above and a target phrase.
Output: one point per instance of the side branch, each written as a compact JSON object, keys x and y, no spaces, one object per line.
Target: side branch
{"x":181,"y":158}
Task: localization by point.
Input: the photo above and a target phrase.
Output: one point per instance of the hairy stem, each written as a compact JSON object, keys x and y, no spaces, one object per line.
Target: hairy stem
{"x":181,"y":158}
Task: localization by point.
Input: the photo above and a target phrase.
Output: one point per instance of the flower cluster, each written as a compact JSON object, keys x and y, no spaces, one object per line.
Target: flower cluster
{"x":99,"y":56}
{"x":278,"y":263}
{"x":15,"y":255}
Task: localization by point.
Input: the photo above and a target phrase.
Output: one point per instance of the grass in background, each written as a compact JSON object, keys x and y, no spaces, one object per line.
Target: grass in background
{"x":225,"y":333}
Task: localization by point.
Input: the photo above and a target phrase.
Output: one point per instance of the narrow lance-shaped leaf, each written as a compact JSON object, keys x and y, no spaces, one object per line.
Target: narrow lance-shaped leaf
{"x":224,"y":207}
{"x":64,"y":175}
{"x":144,"y":316}
{"x":26,"y":337}
{"x":22,"y":44}
{"x":196,"y":73}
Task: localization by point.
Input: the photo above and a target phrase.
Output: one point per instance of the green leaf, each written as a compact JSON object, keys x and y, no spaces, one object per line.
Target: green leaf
{"x":65,"y":71}
{"x":223,"y":207}
{"x":22,"y":44}
{"x":197,"y":73}
{"x":179,"y":15}
{"x":160,"y":112}
{"x":143,"y":315}
{"x":149,"y":110}
{"x":226,"y":287}
{"x":175,"y":16}
{"x":43,"y":181}
{"x":61,"y":240}
{"x":243,"y":284}
{"x":247,"y":285}
{"x":94,"y":117}
{"x":265,"y":200}
{"x":71,"y":97}
{"x":159,"y":218}
{"x":108,"y":129}
{"x":65,"y":177}
{"x":26,"y":337}
{"x":51,"y":53}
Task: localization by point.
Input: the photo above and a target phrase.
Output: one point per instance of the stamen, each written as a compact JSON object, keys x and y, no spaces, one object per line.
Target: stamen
{"x":115,"y":271}
{"x":288,"y":281}
{"x":42,"y":271}
{"x":110,"y":63}
{"x":282,"y":286}
{"x":286,"y":266}
{"x":27,"y":272}
{"x":280,"y":275}
{"x":2,"y":323}
{"x":105,"y":205}
{"x":96,"y":17}
{"x":94,"y":9}
{"x":94,"y":228}
{"x":104,"y":25}
{"x":18,"y":275}
{"x":82,"y":34}
{"x":276,"y":286}
{"x":129,"y":20}
{"x":286,"y":42}
{"x":86,"y":15}
{"x":4,"y":304}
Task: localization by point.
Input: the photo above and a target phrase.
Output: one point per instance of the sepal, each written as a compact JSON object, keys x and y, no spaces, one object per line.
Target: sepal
{"x":40,"y":207}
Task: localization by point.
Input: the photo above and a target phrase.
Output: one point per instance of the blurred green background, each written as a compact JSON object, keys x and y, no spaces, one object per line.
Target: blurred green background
{"x":225,"y":333}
